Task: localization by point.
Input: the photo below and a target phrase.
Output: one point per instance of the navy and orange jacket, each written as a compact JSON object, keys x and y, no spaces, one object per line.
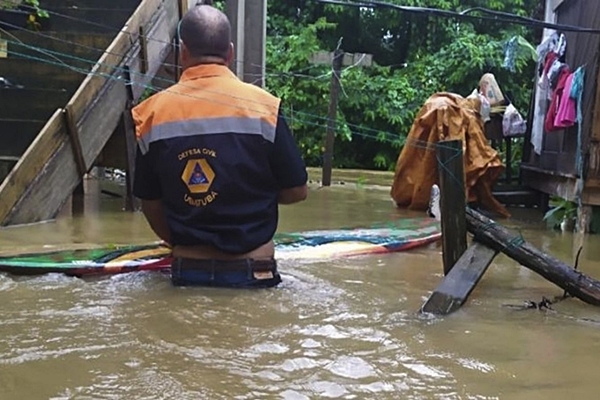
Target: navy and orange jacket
{"x":216,"y":151}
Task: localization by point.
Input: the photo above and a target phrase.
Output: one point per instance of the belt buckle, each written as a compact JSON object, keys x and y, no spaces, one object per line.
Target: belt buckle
{"x":262,"y":275}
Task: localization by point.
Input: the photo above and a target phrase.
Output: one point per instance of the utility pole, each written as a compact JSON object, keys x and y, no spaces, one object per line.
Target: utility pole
{"x":336,"y":65}
{"x":249,"y":33}
{"x":337,"y":59}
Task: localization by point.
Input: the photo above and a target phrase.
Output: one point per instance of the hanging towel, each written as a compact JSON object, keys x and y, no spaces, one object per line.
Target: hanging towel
{"x":577,"y":91}
{"x":577,"y":94}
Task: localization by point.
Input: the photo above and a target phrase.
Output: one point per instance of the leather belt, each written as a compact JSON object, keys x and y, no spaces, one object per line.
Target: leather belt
{"x":212,"y":265}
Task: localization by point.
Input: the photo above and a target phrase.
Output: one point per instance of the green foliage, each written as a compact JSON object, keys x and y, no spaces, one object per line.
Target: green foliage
{"x":561,"y":211}
{"x":416,"y":55}
{"x":33,"y":19}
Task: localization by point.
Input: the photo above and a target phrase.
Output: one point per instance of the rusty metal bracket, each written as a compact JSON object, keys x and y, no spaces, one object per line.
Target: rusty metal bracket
{"x":73,"y":132}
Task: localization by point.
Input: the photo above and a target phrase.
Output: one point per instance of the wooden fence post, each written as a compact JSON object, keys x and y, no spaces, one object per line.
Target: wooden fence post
{"x":452,"y":201}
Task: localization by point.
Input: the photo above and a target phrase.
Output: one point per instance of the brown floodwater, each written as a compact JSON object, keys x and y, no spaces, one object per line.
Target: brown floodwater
{"x":341,"y":329}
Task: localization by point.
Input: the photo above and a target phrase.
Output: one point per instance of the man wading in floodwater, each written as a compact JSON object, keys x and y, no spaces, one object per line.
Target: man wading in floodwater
{"x":215,"y":158}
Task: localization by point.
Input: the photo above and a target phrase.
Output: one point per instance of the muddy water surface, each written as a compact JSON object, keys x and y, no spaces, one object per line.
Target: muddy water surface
{"x":344,"y":329}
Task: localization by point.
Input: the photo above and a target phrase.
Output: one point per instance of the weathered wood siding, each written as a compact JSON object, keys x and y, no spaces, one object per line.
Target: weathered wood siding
{"x":554,"y":171}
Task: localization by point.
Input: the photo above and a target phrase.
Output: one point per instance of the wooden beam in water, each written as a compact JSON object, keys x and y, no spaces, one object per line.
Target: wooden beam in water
{"x":492,"y":234}
{"x":456,"y":287}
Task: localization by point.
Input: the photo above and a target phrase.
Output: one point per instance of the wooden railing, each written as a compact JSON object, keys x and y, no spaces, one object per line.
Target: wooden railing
{"x":71,"y":140}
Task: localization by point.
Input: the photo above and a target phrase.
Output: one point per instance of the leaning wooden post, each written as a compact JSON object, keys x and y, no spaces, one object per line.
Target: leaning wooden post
{"x":455,"y":288}
{"x":452,"y":201}
{"x":494,"y":235}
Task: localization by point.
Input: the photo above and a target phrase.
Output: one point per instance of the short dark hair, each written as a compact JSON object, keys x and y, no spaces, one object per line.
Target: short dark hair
{"x":206,"y":31}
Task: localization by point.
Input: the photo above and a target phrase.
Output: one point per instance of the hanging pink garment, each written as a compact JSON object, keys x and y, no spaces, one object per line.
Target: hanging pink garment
{"x":557,"y":95}
{"x":566,"y":115}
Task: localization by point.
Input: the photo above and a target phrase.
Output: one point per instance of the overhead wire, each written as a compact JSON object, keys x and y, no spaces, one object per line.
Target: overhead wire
{"x":53,"y":54}
{"x":355,"y":129}
{"x":375,"y":132}
{"x":498,"y":16}
{"x":165,"y":64}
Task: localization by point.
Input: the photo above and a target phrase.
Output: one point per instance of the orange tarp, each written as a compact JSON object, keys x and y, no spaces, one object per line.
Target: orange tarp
{"x":447,"y":116}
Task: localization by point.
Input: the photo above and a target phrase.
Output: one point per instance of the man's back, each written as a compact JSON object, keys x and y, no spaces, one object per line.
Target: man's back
{"x":215,"y":158}
{"x":212,"y":140}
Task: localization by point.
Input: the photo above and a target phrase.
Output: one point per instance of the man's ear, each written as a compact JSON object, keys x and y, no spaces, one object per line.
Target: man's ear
{"x":184,"y":53}
{"x":230,"y":54}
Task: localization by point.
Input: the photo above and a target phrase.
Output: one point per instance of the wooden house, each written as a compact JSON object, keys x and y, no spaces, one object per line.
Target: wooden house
{"x":554,"y":171}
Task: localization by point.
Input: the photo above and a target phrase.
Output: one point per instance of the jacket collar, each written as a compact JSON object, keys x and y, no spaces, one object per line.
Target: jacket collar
{"x":206,"y":71}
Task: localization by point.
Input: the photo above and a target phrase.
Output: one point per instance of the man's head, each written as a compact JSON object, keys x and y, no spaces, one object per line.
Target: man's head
{"x":205,"y":35}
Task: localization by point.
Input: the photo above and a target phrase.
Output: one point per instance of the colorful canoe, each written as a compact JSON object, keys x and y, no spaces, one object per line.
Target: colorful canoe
{"x":399,"y":235}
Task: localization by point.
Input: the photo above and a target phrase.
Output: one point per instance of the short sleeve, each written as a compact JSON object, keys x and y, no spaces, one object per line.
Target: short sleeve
{"x":286,"y":161}
{"x":146,"y":183}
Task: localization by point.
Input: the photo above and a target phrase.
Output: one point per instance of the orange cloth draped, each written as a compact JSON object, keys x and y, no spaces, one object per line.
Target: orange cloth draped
{"x":447,"y":116}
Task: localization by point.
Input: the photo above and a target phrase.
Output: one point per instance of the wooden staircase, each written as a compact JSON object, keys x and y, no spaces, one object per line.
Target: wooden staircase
{"x":47,"y":66}
{"x":76,"y":77}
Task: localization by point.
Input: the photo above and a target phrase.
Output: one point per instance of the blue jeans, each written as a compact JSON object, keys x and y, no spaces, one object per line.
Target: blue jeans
{"x":244,"y":273}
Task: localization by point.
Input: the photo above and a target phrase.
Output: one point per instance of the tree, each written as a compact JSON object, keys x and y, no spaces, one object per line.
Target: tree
{"x":416,"y":56}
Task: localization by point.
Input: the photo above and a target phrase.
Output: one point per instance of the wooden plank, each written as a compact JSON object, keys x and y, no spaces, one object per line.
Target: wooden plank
{"x":593,"y":171}
{"x":452,"y":201}
{"x":31,"y":164}
{"x":73,"y":132}
{"x":494,"y":235}
{"x":456,"y":287}
{"x":551,"y":183}
{"x":128,"y":129}
{"x":97,"y":105}
{"x":131,"y":202}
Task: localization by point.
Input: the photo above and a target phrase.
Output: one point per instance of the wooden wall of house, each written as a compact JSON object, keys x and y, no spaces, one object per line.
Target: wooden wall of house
{"x":554,"y":171}
{"x":49,"y":64}
{"x":560,"y":148}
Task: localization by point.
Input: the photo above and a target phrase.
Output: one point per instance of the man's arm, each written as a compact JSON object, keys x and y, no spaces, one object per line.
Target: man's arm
{"x":288,"y":165}
{"x":292,"y":195}
{"x":154,"y":213}
{"x":146,"y":186}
